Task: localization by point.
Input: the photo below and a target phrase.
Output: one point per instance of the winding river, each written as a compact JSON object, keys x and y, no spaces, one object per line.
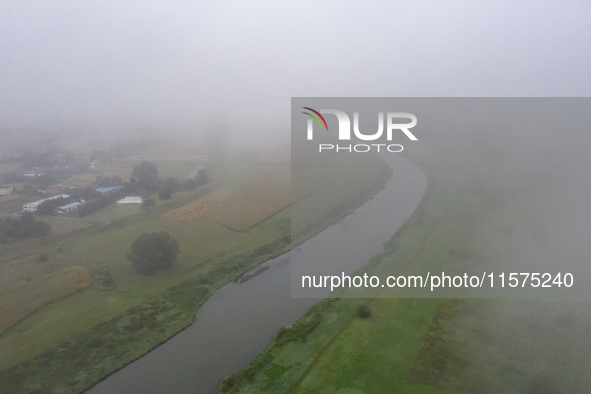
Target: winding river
{"x":241,"y":318}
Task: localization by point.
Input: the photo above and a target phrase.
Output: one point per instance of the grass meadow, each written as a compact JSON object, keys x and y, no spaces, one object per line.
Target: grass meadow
{"x":481,"y":218}
{"x":123,"y":168}
{"x":251,"y":203}
{"x":73,"y":342}
{"x":197,"y":209}
{"x":11,"y":197}
{"x":14,"y":203}
{"x":19,"y":302}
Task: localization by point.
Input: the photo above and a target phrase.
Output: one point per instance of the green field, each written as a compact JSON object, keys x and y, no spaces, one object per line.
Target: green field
{"x":251,"y":203}
{"x":19,"y":302}
{"x":75,"y":341}
{"x":11,"y":197}
{"x":481,"y":217}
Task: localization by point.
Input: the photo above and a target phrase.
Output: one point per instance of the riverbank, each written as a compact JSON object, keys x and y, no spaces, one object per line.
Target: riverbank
{"x":298,"y":349}
{"x":479,"y":217}
{"x":92,"y":354}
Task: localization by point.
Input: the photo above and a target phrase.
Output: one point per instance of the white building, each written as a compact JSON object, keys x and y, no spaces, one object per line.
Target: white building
{"x":70,"y":207}
{"x":32,"y":206}
{"x":4,"y":191}
{"x":130,"y":200}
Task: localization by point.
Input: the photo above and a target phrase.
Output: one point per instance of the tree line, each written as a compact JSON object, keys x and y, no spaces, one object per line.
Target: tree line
{"x":144,"y":179}
{"x":25,"y":227}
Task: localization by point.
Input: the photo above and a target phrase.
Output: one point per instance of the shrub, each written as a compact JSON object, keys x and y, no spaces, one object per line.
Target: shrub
{"x":148,"y":203}
{"x":165,"y":193}
{"x":363,"y":311}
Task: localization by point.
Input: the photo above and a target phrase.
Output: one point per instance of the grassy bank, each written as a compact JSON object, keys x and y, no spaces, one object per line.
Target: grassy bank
{"x":479,"y":217}
{"x":21,"y":301}
{"x":74,"y":342}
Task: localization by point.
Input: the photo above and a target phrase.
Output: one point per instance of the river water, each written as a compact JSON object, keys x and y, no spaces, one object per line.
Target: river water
{"x":241,"y":318}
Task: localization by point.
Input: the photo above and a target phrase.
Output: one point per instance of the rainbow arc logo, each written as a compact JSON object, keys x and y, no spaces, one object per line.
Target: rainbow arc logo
{"x":315,"y":118}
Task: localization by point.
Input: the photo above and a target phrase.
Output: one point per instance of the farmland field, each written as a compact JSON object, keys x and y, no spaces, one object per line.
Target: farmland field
{"x":122,"y":169}
{"x":24,"y":268}
{"x":6,"y":168}
{"x":61,"y":225}
{"x":198,"y":208}
{"x":251,"y":203}
{"x":21,"y":301}
{"x":11,"y":197}
{"x":182,"y":169}
{"x":182,"y":166}
{"x":115,"y":306}
{"x":15,"y":204}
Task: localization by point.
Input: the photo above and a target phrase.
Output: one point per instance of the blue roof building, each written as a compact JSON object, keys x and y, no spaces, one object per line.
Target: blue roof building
{"x":107,"y":190}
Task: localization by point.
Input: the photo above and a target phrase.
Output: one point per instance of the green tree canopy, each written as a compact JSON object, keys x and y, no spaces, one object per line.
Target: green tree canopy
{"x":201,"y":177}
{"x":152,"y":252}
{"x":26,"y":227}
{"x":146,"y":174}
{"x":147,"y":203}
{"x":166,"y":192}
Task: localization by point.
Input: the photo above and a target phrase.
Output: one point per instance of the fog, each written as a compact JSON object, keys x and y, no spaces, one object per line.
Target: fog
{"x":188,"y":65}
{"x":225,"y":72}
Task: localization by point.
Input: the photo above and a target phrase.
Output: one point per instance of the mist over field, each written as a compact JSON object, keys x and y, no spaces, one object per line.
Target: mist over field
{"x":185,"y":107}
{"x":109,"y":65}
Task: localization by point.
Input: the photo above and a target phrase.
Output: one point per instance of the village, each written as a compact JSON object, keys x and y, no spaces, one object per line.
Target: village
{"x":55,"y":181}
{"x":68,"y":203}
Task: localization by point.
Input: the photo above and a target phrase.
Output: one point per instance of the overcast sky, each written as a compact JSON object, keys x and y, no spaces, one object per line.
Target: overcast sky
{"x":191,"y":61}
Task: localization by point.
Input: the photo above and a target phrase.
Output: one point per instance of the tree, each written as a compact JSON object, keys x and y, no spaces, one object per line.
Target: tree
{"x":47,"y":207}
{"x":102,"y":181}
{"x":30,"y":227}
{"x":146,"y":174}
{"x":152,"y":252}
{"x":166,"y":192}
{"x":148,"y":203}
{"x":198,"y":180}
{"x":116,"y":180}
{"x":201,"y":177}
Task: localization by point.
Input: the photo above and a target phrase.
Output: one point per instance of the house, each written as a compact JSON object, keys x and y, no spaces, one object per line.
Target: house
{"x":107,"y":190}
{"x":32,"y":206}
{"x":4,"y":191}
{"x":70,"y":207}
{"x":130,"y":200}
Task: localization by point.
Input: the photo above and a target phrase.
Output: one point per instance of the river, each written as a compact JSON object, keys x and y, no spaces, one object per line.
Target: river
{"x":241,"y":318}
